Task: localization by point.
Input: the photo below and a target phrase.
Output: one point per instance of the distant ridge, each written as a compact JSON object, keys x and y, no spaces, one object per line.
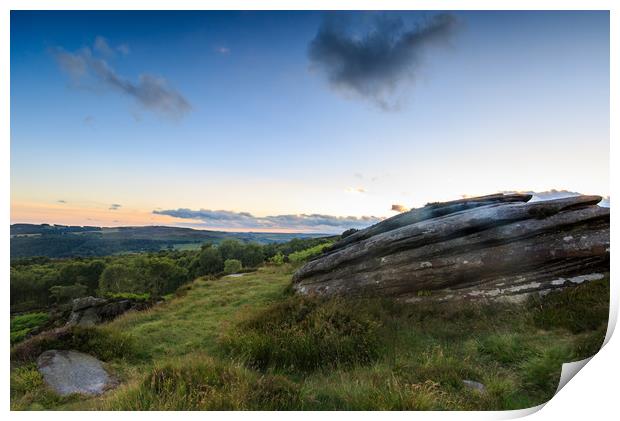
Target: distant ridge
{"x":59,"y":241}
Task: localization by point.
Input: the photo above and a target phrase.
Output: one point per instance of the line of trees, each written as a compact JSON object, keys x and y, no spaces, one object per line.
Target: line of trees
{"x":40,"y":282}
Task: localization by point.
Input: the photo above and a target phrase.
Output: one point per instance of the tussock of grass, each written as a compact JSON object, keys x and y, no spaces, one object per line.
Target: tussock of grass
{"x":203,"y":383}
{"x":543,"y":371}
{"x":508,"y":348}
{"x":306,"y":334}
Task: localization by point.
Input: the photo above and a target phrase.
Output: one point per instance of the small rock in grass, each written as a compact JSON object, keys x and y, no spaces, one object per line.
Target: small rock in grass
{"x":474,"y":385}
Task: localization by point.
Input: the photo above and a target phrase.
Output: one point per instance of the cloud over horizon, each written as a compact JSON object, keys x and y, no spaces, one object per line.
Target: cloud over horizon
{"x":245,"y":220}
{"x":151,"y":92}
{"x":375,"y":65}
{"x":399,"y":208}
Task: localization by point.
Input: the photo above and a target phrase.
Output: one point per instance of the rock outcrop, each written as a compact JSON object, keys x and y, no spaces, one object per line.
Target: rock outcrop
{"x":89,"y":311}
{"x":69,"y":372}
{"x":497,"y":246}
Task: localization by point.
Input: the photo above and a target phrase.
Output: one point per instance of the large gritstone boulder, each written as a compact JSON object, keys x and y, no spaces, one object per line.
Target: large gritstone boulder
{"x":497,"y":246}
{"x":69,"y":372}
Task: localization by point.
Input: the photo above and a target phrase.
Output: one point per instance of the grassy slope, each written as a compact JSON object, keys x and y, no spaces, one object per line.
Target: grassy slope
{"x":427,"y":352}
{"x":186,"y":325}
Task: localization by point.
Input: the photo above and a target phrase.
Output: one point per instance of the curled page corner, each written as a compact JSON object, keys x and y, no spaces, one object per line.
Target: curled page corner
{"x":569,"y":370}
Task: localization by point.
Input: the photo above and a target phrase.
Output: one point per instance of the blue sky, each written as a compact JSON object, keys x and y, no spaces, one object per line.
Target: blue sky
{"x":236,"y":115}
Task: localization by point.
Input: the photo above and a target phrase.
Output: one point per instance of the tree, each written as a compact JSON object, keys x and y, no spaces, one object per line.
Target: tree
{"x":82,"y":273}
{"x":231,"y":249}
{"x":252,"y":255}
{"x":64,"y":293}
{"x":163,"y":275}
{"x":210,"y":261}
{"x":232,"y":266}
{"x":121,"y":277}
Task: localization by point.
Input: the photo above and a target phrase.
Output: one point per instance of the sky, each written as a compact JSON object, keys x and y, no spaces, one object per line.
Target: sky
{"x":299,"y":121}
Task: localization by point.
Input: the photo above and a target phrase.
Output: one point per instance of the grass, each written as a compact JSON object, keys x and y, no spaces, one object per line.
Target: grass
{"x":247,"y":343}
{"x":306,"y":334}
{"x":23,"y":324}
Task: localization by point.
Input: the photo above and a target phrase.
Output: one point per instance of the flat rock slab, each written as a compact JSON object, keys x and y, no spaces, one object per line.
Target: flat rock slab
{"x":69,"y":372}
{"x":497,"y":247}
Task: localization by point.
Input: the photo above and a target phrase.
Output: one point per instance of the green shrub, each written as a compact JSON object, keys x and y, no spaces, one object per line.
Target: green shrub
{"x":105,"y":344}
{"x":23,"y":324}
{"x":578,"y":309}
{"x":307,"y":254}
{"x":277,"y":259}
{"x":232,"y":266}
{"x":305,"y":334}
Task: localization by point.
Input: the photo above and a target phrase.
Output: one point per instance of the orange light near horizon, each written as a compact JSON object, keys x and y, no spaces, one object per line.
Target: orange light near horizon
{"x":65,"y":214}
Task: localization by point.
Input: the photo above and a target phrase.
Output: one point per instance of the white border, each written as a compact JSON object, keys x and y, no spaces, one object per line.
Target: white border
{"x":591,"y":394}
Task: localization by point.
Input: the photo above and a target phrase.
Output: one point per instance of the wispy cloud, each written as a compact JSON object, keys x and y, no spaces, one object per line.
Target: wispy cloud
{"x":62,"y":201}
{"x":244,"y":220}
{"x":101,"y":45}
{"x":151,"y":92}
{"x":114,"y":206}
{"x":380,"y":63}
{"x":356,"y":190}
{"x":222,"y":50}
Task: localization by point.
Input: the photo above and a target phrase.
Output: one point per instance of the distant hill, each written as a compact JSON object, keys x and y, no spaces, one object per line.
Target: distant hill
{"x":57,"y":241}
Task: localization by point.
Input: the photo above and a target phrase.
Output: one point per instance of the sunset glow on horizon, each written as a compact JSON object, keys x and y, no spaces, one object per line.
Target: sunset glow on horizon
{"x":256,"y":121}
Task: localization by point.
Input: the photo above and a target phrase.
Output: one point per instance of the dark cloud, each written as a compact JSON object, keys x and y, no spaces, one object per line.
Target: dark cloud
{"x":375,"y":65}
{"x":245,"y":220}
{"x":399,"y":208}
{"x":114,"y":206}
{"x":61,"y":201}
{"x":153,"y":93}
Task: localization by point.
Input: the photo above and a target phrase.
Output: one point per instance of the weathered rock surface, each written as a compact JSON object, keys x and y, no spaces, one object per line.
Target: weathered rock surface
{"x":496,"y":246}
{"x":89,"y":311}
{"x":68,"y":372}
